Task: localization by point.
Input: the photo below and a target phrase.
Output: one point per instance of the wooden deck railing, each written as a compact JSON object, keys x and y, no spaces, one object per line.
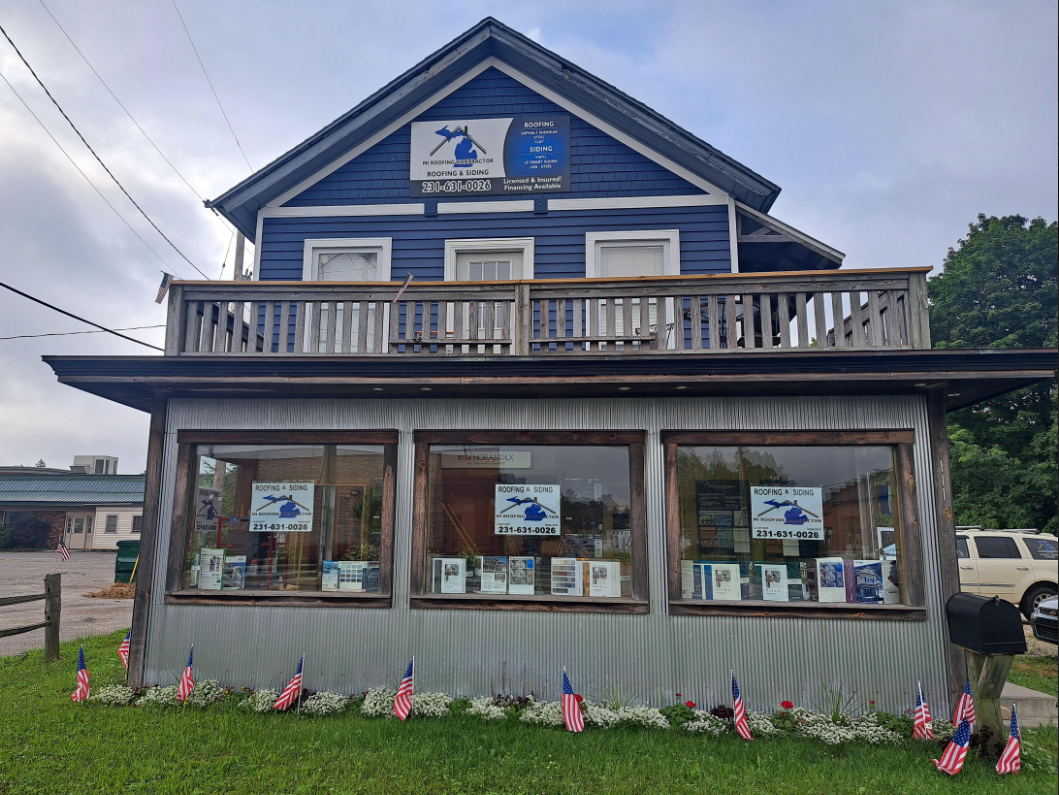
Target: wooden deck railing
{"x":873,"y":309}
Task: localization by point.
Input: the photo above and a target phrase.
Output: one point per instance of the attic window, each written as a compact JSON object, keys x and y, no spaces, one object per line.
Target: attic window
{"x":347,"y":260}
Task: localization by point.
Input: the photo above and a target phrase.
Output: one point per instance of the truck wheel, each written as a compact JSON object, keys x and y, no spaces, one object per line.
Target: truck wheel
{"x":1034,"y":596}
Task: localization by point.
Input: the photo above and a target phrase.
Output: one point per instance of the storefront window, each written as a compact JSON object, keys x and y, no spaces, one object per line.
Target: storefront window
{"x":288,"y":517}
{"x":773,"y":523}
{"x":552,"y":521}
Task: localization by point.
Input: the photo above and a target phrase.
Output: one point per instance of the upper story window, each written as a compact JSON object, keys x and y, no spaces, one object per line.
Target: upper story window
{"x":347,"y":260}
{"x":489,"y":259}
{"x":611,"y":255}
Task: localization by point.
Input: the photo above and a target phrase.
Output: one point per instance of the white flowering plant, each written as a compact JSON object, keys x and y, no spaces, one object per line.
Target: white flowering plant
{"x":543,"y":713}
{"x":378,"y":703}
{"x":486,"y":709}
{"x":707,"y":723}
{"x":113,"y":695}
{"x":325,"y":703}
{"x":159,"y":697}
{"x":429,"y":705}
{"x":204,"y":693}
{"x":260,"y":700}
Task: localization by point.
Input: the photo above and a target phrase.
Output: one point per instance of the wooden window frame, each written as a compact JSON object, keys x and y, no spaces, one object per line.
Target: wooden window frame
{"x":910,"y":562}
{"x":183,"y":497}
{"x":635,"y":440}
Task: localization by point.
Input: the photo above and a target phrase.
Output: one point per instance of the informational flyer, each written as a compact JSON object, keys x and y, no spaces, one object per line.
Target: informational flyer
{"x":567,"y":577}
{"x":726,"y":585}
{"x":450,"y":575}
{"x":207,"y":510}
{"x":831,"y":579}
{"x":281,"y":507}
{"x":526,"y":509}
{"x":234,"y":572}
{"x":868,"y":577}
{"x":520,"y":575}
{"x":788,"y":512}
{"x":774,"y":586}
{"x":493,"y":572}
{"x":605,"y":578}
{"x":211,"y":569}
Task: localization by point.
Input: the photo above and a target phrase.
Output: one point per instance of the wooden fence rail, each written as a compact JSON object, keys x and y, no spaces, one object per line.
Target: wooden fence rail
{"x":52,"y":598}
{"x":871,"y":310}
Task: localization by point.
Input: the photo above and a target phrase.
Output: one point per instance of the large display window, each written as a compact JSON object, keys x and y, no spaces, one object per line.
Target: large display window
{"x":300,"y":514}
{"x":530,"y":520}
{"x":792,"y":522}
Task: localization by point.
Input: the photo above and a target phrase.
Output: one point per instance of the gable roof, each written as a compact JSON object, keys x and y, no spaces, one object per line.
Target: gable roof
{"x":72,"y":490}
{"x":491,"y":39}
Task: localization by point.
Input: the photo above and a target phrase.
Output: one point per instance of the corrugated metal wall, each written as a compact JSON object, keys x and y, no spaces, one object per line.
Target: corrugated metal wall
{"x":470,"y":652}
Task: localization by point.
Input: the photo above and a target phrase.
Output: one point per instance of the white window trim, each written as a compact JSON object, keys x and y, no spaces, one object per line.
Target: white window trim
{"x":486,"y":245}
{"x":669,"y":238}
{"x":383,"y":244}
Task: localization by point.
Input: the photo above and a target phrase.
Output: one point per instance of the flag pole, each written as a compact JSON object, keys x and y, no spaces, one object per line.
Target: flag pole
{"x":300,"y":684}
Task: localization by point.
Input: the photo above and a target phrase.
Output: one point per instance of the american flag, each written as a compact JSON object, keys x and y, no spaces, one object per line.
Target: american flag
{"x":952,"y":760}
{"x":123,"y":650}
{"x":81,"y":693}
{"x":571,"y":707}
{"x":1011,"y":759}
{"x":292,"y":691}
{"x":402,"y":702}
{"x":741,"y":725}
{"x":965,"y":706}
{"x":63,"y":550}
{"x":922,"y":727}
{"x":163,"y":288}
{"x":187,"y":681}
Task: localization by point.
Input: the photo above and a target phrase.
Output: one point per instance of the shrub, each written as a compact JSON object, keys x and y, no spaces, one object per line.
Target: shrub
{"x":159,"y":697}
{"x":678,"y":714}
{"x":543,"y":713}
{"x":707,"y":723}
{"x":325,"y":703}
{"x":378,"y":703}
{"x":31,"y":533}
{"x":7,"y":539}
{"x":429,"y":705}
{"x":113,"y":695}
{"x":205,"y":693}
{"x":487,"y":709}
{"x":261,"y":700}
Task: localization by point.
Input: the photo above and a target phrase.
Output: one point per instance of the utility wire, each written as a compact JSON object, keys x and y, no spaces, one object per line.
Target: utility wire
{"x":97,"y":157}
{"x":226,"y":251}
{"x":87,"y":178}
{"x":76,"y":317}
{"x":69,"y":333}
{"x":219,"y":105}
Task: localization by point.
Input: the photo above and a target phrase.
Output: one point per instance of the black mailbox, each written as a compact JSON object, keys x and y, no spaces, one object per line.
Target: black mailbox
{"x":987,"y":626}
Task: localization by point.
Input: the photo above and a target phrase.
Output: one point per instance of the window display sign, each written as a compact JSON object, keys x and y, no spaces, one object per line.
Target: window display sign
{"x":490,"y":157}
{"x":207,"y":510}
{"x":526,"y":509}
{"x":787,"y":512}
{"x":488,"y":459}
{"x":281,"y":507}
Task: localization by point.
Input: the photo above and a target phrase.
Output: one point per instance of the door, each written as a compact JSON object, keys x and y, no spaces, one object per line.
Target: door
{"x":489,"y":266}
{"x":968,"y":560}
{"x":79,"y":531}
{"x":1001,"y":570}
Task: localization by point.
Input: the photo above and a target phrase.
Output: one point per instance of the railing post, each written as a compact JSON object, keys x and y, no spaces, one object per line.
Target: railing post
{"x":52,"y":609}
{"x":918,"y":311}
{"x":176,"y":320}
{"x":523,"y":319}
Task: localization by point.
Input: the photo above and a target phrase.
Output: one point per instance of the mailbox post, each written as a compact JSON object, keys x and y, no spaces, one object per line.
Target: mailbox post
{"x":990,"y":633}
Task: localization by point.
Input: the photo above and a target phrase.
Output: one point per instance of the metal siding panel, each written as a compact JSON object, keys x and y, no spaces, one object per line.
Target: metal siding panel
{"x":470,"y":653}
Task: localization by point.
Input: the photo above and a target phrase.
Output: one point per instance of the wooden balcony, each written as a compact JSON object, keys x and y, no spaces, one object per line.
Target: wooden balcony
{"x":730,"y":314}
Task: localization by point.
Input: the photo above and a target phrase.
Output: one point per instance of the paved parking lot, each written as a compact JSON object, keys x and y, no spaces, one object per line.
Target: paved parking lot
{"x":23,"y":573}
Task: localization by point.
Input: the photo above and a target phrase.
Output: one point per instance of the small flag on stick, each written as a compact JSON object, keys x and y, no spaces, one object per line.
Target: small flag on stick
{"x":123,"y":649}
{"x":407,"y":281}
{"x":63,"y":550}
{"x":741,"y":724}
{"x":293,"y":691}
{"x":572,"y":718}
{"x":951,"y":761}
{"x":163,"y":288}
{"x":1011,"y":759}
{"x":922,"y":726}
{"x":187,"y":681}
{"x":965,"y":706}
{"x":81,"y":693}
{"x":402,"y":702}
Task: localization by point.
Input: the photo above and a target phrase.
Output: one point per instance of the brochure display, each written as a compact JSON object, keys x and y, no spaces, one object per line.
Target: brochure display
{"x":567,"y":577}
{"x":774,"y":583}
{"x":234,"y":572}
{"x":449,"y":575}
{"x":868,"y":581}
{"x":604,"y":578}
{"x":891,"y":582}
{"x":725,"y":581}
{"x":211,"y":569}
{"x":830,"y":579}
{"x":520,"y":575}
{"x":493,"y":572}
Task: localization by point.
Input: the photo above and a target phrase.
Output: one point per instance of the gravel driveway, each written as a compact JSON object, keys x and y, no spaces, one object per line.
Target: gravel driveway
{"x":22,"y":573}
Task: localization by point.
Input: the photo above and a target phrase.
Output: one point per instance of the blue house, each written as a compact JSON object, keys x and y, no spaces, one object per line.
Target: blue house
{"x":527,"y":359}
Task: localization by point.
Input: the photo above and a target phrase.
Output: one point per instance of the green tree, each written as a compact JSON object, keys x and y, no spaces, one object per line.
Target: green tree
{"x":999,"y":290}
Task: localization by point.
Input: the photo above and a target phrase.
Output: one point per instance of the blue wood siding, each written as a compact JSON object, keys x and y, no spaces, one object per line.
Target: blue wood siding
{"x":600,"y":165}
{"x":559,"y":238}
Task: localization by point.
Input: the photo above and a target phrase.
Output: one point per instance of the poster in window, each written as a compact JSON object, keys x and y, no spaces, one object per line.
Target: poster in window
{"x":791,"y":512}
{"x":281,"y":507}
{"x":605,"y":578}
{"x":831,"y":579}
{"x":493,"y":569}
{"x":234,"y":572}
{"x":774,"y":583}
{"x":526,"y":509}
{"x":211,"y":569}
{"x":207,"y":510}
{"x":567,"y":577}
{"x":520,"y":575}
{"x":868,"y":581}
{"x":726,"y":582}
{"x":450,"y":575}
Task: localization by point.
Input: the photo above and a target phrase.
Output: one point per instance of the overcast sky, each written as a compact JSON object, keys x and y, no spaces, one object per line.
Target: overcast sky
{"x":889,"y":127}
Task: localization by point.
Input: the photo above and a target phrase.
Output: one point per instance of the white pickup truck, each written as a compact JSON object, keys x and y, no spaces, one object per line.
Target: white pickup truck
{"x":1018,"y":566}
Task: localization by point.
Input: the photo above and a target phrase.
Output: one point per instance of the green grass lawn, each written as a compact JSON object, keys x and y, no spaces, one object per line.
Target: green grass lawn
{"x":1037,"y":673}
{"x":49,"y":744}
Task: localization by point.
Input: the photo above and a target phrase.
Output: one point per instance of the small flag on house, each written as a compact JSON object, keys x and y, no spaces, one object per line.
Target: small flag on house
{"x":123,"y":649}
{"x":163,"y":288}
{"x":572,"y":718}
{"x":741,"y":724}
{"x":922,"y":726}
{"x":187,"y":681}
{"x":63,"y":550}
{"x":951,"y":761}
{"x":402,"y":702}
{"x":407,"y":281}
{"x":1011,"y":759}
{"x":292,"y":692}
{"x":81,"y":693}
{"x":965,"y":706}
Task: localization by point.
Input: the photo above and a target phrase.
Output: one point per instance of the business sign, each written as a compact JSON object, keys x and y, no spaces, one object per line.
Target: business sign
{"x":520,"y":155}
{"x":794,"y":512}
{"x":207,"y":510}
{"x":281,"y":507}
{"x":526,"y":510}
{"x":488,"y":459}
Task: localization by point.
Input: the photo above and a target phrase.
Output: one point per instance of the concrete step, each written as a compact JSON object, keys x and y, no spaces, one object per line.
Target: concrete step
{"x":1034,"y":707}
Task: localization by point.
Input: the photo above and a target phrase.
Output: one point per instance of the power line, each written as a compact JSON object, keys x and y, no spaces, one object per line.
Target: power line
{"x":219,"y":105}
{"x":87,"y":178}
{"x":69,"y":333}
{"x":97,"y":157}
{"x":226,"y":251}
{"x":76,"y":317}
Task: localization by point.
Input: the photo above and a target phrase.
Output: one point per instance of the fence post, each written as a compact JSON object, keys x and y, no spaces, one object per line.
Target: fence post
{"x":523,"y":320}
{"x":52,"y":609}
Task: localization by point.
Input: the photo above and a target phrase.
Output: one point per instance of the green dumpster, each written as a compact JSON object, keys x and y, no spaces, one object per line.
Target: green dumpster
{"x":125,"y":564}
